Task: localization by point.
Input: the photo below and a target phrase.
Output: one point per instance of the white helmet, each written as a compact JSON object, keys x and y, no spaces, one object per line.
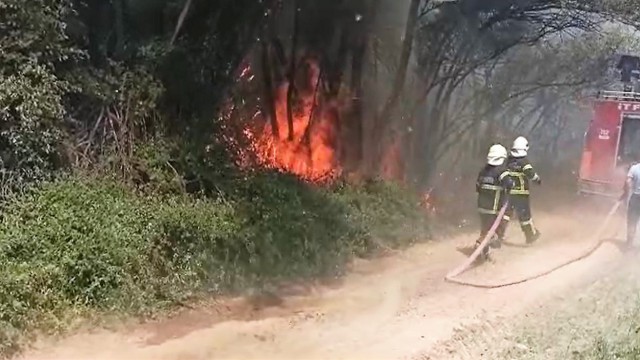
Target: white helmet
{"x":520,"y":147}
{"x":497,"y":155}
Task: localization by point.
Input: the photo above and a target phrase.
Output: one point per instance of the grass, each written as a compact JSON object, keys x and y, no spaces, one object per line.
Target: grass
{"x":620,"y":341}
{"x":600,"y":321}
{"x":82,"y":246}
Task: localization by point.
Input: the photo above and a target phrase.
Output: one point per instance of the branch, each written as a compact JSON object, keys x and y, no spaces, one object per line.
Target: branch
{"x":448,"y":143}
{"x":405,"y":55}
{"x":292,"y":69}
{"x":183,"y":15}
{"x":269,"y":99}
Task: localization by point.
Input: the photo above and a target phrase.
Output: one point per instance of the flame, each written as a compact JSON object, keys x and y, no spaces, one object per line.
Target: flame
{"x":427,"y":202}
{"x":311,"y":151}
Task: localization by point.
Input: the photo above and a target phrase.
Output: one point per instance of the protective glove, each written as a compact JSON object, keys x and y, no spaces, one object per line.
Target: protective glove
{"x":538,"y":181}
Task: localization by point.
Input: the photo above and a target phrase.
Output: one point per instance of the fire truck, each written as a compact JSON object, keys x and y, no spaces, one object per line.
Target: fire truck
{"x":613,"y":135}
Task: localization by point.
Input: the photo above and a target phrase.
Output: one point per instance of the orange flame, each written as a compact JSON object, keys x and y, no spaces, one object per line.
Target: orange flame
{"x":311,"y":151}
{"x":427,"y":202}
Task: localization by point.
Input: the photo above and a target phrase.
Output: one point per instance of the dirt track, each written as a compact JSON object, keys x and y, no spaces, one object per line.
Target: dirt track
{"x":397,"y":307}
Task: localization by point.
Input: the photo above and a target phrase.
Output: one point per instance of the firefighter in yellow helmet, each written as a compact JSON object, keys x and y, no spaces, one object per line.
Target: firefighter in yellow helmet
{"x":492,"y":186}
{"x":522,"y":174}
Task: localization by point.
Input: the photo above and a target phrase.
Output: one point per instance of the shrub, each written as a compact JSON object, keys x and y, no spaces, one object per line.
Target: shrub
{"x":295,"y":229}
{"x":86,"y":245}
{"x":34,"y":46}
{"x":386,"y":213}
{"x":30,"y":121}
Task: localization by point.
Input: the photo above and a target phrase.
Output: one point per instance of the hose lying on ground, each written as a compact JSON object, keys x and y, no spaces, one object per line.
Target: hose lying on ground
{"x":451,"y":277}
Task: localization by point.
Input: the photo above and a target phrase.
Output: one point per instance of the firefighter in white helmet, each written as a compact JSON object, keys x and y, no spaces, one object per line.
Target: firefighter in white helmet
{"x":492,"y":186}
{"x":522,"y":174}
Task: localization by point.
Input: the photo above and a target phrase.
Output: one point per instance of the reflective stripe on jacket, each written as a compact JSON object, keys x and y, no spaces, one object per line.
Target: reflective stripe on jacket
{"x":491,"y":185}
{"x":522,"y":173}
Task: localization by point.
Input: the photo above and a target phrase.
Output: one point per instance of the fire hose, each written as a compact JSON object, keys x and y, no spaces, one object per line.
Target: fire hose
{"x":452,"y":276}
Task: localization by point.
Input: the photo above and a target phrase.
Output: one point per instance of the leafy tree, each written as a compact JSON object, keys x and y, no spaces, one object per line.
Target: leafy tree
{"x":33,"y":49}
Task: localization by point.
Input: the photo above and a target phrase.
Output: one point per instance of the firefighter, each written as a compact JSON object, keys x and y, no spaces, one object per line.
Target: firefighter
{"x":631,"y":194}
{"x":522,"y":173}
{"x":492,"y":186}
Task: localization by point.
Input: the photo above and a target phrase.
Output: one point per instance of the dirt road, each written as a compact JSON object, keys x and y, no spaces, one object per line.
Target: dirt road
{"x":397,"y":307}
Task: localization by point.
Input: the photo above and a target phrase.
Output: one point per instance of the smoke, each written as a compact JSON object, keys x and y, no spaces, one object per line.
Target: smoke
{"x":309,"y":104}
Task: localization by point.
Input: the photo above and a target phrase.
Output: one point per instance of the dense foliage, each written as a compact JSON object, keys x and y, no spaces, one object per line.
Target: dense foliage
{"x":120,"y":190}
{"x":93,"y":245}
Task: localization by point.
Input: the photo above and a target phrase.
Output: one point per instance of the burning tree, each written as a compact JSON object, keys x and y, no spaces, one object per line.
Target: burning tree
{"x":310,"y":97}
{"x":308,"y":115}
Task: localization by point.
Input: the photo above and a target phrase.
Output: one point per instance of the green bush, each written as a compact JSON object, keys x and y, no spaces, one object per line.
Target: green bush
{"x":294,"y":229}
{"x":385,"y":212}
{"x":30,"y":121}
{"x":34,"y":45}
{"x":83,"y":245}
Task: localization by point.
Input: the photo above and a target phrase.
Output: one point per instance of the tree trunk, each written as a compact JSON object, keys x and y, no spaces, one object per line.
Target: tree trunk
{"x":362,"y":36}
{"x":183,"y":15}
{"x":269,"y":99}
{"x":292,"y":69}
{"x":118,"y":7}
{"x":337,"y":66}
{"x":381,"y":120}
{"x":403,"y":64}
{"x":99,"y":23}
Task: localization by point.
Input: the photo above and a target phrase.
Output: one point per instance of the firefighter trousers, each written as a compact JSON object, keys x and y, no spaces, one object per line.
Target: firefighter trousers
{"x":521,"y":206}
{"x":487,"y":220}
{"x":633,"y":216}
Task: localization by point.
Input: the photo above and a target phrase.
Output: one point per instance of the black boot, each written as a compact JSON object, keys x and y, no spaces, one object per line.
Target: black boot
{"x":496,"y":242}
{"x":533,"y":237}
{"x":484,"y":255}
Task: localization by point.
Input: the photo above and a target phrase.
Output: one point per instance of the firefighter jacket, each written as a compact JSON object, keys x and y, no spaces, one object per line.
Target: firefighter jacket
{"x":492,"y":186}
{"x":522,"y":173}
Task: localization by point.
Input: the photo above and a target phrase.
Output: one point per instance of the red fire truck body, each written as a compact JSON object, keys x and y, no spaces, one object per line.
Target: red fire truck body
{"x":612,"y":138}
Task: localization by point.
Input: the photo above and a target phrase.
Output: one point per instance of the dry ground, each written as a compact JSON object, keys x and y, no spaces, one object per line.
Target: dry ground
{"x":399,"y":307}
